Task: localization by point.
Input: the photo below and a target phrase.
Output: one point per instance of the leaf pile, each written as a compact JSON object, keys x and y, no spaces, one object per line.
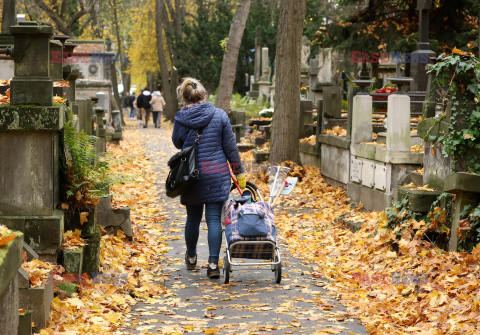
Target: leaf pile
{"x":130,"y":270}
{"x":417,"y":289}
{"x":38,"y":271}
{"x":72,"y":240}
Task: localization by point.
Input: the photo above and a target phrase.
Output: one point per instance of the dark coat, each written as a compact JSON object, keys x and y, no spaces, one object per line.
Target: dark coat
{"x":217,"y":146}
{"x":143,"y":101}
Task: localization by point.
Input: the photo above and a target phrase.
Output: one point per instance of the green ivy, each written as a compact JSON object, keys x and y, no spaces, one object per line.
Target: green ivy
{"x":460,"y":75}
{"x":87,"y":173}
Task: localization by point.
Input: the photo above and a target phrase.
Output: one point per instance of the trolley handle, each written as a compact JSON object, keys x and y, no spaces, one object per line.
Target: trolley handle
{"x":235,"y":182}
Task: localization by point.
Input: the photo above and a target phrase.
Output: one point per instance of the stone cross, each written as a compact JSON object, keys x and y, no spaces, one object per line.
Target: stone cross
{"x":258,"y":56}
{"x":421,"y":56}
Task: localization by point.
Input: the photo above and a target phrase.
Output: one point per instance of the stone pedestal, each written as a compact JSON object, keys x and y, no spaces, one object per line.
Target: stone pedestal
{"x":466,"y":187}
{"x":101,"y":132}
{"x":31,"y":83}
{"x":29,"y":178}
{"x":398,"y":123}
{"x":362,"y":119}
{"x":37,"y":299}
{"x":10,"y":261}
{"x":263,"y":90}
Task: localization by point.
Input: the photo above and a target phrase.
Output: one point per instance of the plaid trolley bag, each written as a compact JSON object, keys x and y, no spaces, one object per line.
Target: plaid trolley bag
{"x":250,"y":221}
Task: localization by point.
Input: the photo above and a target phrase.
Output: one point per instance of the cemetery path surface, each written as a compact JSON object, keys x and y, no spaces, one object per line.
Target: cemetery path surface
{"x":250,"y":304}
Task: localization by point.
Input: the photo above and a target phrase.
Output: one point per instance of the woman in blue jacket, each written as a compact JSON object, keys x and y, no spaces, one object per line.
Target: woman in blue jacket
{"x":216,"y":150}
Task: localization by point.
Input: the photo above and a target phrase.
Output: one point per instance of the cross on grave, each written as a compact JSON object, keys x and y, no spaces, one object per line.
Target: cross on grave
{"x":420,"y":58}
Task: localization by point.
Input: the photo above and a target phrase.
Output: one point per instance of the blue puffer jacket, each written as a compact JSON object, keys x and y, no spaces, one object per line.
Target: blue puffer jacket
{"x":217,"y":146}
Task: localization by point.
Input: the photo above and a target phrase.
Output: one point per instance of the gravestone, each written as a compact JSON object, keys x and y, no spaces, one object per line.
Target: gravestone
{"x":29,"y":145}
{"x":418,"y":71}
{"x":332,"y":102}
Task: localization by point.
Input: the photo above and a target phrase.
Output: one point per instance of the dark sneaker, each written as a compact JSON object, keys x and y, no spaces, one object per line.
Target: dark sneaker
{"x":213,"y":271}
{"x":191,"y":262}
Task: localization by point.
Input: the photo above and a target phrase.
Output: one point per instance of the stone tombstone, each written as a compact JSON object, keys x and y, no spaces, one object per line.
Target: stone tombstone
{"x":258,"y":56}
{"x":101,"y":131}
{"x":352,"y":91}
{"x":56,"y":68}
{"x":305,"y":56}
{"x":102,"y":100}
{"x":31,"y":83}
{"x":325,"y":74}
{"x":83,"y":114}
{"x":362,"y":119}
{"x":398,"y":123}
{"x":117,"y":121}
{"x":332,"y":102}
{"x":421,"y":56}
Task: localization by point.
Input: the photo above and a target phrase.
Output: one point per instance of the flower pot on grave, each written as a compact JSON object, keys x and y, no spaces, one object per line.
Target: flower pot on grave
{"x":260,"y":156}
{"x":419,"y":200}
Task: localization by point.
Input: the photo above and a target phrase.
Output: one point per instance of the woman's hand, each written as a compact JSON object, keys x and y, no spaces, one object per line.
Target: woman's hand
{"x":241,"y":180}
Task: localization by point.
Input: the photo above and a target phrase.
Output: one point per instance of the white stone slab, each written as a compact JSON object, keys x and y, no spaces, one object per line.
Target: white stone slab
{"x":368,"y":173}
{"x":398,"y":123}
{"x":362,"y":119}
{"x":356,"y":170}
{"x":380,"y":176}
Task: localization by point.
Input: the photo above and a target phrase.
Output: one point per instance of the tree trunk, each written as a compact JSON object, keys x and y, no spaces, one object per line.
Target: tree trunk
{"x":123,"y":60}
{"x":285,"y":126}
{"x":230,"y":58}
{"x":169,"y":110}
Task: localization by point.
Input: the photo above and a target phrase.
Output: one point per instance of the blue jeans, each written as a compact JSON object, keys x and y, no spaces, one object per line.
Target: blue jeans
{"x":213,"y":213}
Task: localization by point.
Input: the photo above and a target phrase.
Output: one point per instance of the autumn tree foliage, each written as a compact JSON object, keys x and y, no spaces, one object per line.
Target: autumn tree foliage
{"x":392,"y":25}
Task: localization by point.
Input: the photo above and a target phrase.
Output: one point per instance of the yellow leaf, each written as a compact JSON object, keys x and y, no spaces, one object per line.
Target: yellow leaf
{"x":6,"y":239}
{"x":83,"y":217}
{"x":211,"y":331}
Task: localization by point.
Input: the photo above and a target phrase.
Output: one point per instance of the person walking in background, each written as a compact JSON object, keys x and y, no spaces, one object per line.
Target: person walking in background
{"x":125,"y":104}
{"x":217,"y":148}
{"x":136,"y":108}
{"x":130,"y":105}
{"x":157,"y":104}
{"x":143,"y":102}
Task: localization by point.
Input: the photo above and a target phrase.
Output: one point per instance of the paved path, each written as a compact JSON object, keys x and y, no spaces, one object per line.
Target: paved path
{"x":250,"y":304}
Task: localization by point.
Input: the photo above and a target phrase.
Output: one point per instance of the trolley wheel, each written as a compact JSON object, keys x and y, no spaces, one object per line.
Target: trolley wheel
{"x":226,"y":270}
{"x":278,"y":272}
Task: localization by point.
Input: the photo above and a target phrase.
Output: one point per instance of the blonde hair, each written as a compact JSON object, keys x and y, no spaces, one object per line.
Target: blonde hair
{"x":191,"y":91}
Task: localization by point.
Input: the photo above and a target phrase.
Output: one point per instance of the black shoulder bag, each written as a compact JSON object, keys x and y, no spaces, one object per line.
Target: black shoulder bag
{"x":183,"y":169}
